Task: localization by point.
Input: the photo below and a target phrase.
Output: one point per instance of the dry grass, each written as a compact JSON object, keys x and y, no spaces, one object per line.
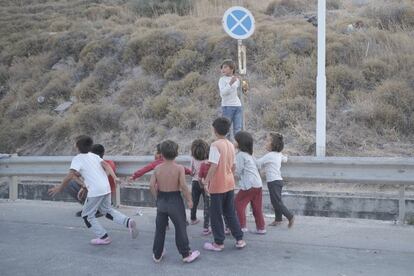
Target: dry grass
{"x":141,"y":76}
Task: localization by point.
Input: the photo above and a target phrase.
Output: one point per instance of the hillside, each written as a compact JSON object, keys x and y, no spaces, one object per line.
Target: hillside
{"x":136,"y":76}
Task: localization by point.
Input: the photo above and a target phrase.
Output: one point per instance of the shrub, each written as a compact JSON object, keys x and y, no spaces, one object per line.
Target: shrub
{"x":392,"y":16}
{"x":286,"y":7}
{"x":185,"y":61}
{"x":184,"y":87}
{"x":153,"y":8}
{"x":390,"y":106}
{"x":374,"y":71}
{"x":60,"y":130}
{"x":333,"y":4}
{"x":186,"y":117}
{"x":134,"y":92}
{"x":301,"y":44}
{"x":153,"y":64}
{"x":342,"y":79}
{"x":59,"y":87}
{"x":95,"y":51}
{"x":287,"y":112}
{"x":89,"y":90}
{"x":106,"y":71}
{"x":93,"y":118}
{"x":157,"y":107}
{"x":35,"y":127}
{"x":303,"y":80}
{"x":161,"y":44}
{"x":32,"y":45}
{"x":68,"y":44}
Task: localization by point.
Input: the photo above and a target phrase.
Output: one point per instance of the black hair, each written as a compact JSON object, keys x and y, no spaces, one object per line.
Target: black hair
{"x":230,"y":63}
{"x":277,"y":143}
{"x":199,"y":149}
{"x":84,"y":143}
{"x":158,"y":148}
{"x":222,"y":125}
{"x":98,"y":149}
{"x":244,"y":141}
{"x":169,"y":149}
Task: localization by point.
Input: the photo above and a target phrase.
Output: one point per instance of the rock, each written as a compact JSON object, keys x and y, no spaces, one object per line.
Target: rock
{"x":63,"y":107}
{"x":64,"y":64}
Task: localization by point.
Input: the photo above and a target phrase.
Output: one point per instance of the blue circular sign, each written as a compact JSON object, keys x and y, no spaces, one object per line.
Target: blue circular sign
{"x":238,"y":22}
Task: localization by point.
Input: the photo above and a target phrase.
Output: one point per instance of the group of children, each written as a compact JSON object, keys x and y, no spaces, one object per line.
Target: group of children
{"x":214,"y":170}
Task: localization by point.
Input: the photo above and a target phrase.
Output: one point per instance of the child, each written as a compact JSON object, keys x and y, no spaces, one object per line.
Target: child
{"x":151,"y":166}
{"x":230,"y":102}
{"x":219,"y":183}
{"x":99,"y":150}
{"x":199,"y":152}
{"x":272,"y":163}
{"x":94,"y":170}
{"x":166,"y":183}
{"x":250,"y":183}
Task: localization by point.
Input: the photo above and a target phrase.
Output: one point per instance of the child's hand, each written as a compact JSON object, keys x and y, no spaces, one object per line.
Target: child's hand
{"x":81,"y":194}
{"x":54,"y":190}
{"x":130,"y":180}
{"x":190,"y":204}
{"x":233,"y":79}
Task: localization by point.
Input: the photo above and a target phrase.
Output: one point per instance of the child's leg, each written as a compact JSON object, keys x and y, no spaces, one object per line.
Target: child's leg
{"x":237,"y":119}
{"x":176,"y":212}
{"x":216,"y":217}
{"x":241,"y":201}
{"x":273,"y":199}
{"x":161,"y":222}
{"x":275,"y":188}
{"x":206,"y":199}
{"x":195,"y":193}
{"x":90,"y":207}
{"x":112,"y":214}
{"x":257,"y":208}
{"x":230,"y":215}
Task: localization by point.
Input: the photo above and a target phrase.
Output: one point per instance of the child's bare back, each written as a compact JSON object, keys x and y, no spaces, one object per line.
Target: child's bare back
{"x":169,"y":177}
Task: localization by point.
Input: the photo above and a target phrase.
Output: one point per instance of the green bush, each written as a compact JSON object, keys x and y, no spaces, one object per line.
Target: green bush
{"x":286,"y":7}
{"x":36,"y":127}
{"x":161,"y":44}
{"x":184,"y":62}
{"x":135,"y":91}
{"x":95,"y":51}
{"x":68,"y":44}
{"x":153,"y":8}
{"x":392,"y":16}
{"x":374,"y":71}
{"x":107,"y":70}
{"x":184,"y":87}
{"x":93,"y":118}
{"x":157,"y":107}
{"x":390,"y":106}
{"x":89,"y":90}
{"x":186,"y":117}
{"x":59,"y":87}
{"x":342,"y":79}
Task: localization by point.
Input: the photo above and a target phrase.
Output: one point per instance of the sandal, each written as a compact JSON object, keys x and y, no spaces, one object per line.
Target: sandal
{"x":241,"y":244}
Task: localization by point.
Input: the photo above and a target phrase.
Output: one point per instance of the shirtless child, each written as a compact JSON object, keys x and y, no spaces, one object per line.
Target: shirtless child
{"x":167,"y":183}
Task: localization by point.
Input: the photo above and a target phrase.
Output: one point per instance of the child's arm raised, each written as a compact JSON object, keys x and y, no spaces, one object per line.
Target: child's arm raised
{"x":184,"y":189}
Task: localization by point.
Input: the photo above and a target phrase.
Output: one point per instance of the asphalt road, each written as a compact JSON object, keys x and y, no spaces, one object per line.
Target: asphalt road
{"x":45,"y":238}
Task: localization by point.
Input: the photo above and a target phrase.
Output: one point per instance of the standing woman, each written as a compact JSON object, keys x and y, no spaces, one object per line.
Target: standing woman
{"x":230,"y":102}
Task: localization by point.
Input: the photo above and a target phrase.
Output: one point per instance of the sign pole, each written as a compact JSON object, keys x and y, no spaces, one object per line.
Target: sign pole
{"x":241,"y":53}
{"x":321,"y":84}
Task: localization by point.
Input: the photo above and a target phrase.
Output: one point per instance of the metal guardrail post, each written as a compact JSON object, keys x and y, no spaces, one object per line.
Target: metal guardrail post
{"x":117,"y":195}
{"x":401,"y":205}
{"x":13,"y":187}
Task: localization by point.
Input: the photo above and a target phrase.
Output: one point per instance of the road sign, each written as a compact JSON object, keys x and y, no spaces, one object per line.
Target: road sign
{"x":238,"y":22}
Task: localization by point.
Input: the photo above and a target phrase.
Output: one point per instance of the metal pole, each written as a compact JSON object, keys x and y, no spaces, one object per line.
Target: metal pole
{"x":13,"y":188}
{"x":321,"y":84}
{"x":241,"y":52}
{"x":401,"y":205}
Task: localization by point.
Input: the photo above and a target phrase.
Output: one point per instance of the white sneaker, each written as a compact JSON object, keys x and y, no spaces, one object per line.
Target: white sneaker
{"x":244,"y":230}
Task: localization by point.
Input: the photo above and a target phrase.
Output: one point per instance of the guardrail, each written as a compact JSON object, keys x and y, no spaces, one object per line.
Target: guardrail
{"x":381,"y":170}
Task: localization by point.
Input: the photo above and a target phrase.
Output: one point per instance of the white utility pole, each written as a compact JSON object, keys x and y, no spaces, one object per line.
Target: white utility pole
{"x":321,"y":83}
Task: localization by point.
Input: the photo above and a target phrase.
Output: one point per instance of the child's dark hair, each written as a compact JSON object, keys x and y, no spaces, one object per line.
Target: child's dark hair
{"x":277,"y":143}
{"x":199,"y":149}
{"x":230,"y":64}
{"x":98,"y":149}
{"x":84,"y":143}
{"x":244,"y":141}
{"x":222,"y":125}
{"x":169,"y":149}
{"x":158,"y":147}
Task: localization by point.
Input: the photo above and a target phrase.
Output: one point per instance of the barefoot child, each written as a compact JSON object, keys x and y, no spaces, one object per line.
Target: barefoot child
{"x":220,"y":184}
{"x":166,"y":183}
{"x":94,"y":170}
{"x":250,"y":183}
{"x":272,"y":163}
{"x":199,"y":153}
